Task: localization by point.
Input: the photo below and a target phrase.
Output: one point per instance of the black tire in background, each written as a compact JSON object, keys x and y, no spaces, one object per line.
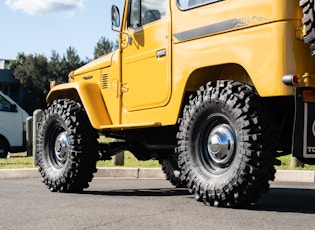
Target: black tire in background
{"x":67,"y":147}
{"x":225,"y":145}
{"x":309,"y":23}
{"x":172,"y":171}
{"x":4,"y":148}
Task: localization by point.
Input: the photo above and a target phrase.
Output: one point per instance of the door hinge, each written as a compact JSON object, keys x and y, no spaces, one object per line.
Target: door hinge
{"x":124,"y":88}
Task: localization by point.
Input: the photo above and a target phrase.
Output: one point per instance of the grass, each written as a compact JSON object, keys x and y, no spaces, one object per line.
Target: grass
{"x":131,"y":161}
{"x":22,"y":161}
{"x":286,"y":164}
{"x":16,"y":162}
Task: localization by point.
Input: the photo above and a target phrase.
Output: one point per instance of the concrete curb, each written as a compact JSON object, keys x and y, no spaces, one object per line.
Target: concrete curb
{"x":307,"y":176}
{"x":131,"y":173}
{"x":19,"y":173}
{"x":154,"y":173}
{"x":126,"y":173}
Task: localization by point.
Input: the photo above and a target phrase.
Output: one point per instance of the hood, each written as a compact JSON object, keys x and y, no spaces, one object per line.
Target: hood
{"x":100,"y":63}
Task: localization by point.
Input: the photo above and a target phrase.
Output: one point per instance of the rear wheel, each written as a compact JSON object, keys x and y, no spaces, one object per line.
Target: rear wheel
{"x":172,"y":171}
{"x":67,"y":147}
{"x":309,"y":23}
{"x":225,"y":145}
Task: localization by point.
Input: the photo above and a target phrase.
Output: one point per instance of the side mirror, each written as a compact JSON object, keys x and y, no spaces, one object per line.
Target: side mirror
{"x":115,"y":17}
{"x":116,"y":23}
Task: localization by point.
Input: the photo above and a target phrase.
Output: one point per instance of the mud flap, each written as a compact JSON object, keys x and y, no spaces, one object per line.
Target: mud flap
{"x":304,"y":124}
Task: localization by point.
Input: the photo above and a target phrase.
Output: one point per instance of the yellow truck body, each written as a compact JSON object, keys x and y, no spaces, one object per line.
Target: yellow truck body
{"x":257,"y":44}
{"x":213,"y":89}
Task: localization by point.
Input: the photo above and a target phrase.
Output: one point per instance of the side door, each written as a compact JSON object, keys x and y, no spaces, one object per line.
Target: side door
{"x":11,"y":124}
{"x":146,"y":55}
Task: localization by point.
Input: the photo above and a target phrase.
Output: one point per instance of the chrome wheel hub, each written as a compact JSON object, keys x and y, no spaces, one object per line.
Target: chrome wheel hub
{"x":221,"y":144}
{"x":61,"y":147}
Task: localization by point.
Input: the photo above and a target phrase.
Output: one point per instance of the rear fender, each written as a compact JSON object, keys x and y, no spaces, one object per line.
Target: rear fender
{"x":89,"y":94}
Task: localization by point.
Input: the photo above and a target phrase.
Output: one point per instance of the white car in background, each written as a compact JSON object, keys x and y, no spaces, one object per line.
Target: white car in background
{"x":12,"y":126}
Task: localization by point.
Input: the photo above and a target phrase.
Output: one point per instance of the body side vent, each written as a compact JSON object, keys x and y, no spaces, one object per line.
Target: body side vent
{"x":105,"y":81}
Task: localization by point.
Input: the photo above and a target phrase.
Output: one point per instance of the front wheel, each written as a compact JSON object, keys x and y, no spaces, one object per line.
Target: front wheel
{"x":225,"y":145}
{"x":4,"y":148}
{"x":66,"y":147}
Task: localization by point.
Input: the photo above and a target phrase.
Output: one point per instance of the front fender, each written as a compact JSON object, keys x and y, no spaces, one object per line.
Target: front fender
{"x":89,"y":94}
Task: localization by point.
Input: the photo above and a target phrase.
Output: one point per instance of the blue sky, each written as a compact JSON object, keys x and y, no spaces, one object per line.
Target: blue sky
{"x":40,"y":26}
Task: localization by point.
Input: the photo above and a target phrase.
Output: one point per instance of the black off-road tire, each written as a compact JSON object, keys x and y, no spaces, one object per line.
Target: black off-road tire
{"x":67,"y":147}
{"x":225,"y":145}
{"x":4,"y":148}
{"x":309,"y":23}
{"x":172,"y":171}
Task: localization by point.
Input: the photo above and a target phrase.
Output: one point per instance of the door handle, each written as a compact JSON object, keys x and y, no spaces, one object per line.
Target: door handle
{"x":161,"y":53}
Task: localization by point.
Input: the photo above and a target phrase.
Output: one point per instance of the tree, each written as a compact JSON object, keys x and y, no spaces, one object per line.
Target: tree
{"x":71,"y":60}
{"x":102,"y":47}
{"x":59,"y":68}
{"x":32,"y":72}
{"x":55,"y":68}
{"x":35,"y":73}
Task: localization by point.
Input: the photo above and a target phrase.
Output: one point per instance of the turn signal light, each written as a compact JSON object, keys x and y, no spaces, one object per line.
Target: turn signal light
{"x":54,"y":83}
{"x":291,"y":79}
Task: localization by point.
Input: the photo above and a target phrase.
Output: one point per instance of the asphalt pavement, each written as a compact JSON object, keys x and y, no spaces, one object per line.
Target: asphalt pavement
{"x":118,"y":204}
{"x":306,"y":176}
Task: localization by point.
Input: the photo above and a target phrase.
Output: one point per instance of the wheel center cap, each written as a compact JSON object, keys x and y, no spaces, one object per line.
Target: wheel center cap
{"x":221,"y":144}
{"x":61,"y":146}
{"x":215,"y":144}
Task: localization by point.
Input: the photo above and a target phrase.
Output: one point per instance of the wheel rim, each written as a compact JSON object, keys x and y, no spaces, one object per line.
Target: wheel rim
{"x":218,"y":144}
{"x":58,"y":147}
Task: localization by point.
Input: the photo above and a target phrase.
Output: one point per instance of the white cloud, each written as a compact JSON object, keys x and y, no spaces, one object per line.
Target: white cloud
{"x":40,"y":7}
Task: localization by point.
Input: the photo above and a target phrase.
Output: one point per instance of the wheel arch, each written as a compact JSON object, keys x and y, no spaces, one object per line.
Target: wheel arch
{"x":229,"y":71}
{"x":89,"y":95}
{"x":201,"y":76}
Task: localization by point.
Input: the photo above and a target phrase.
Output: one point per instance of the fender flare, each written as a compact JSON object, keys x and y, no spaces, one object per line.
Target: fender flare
{"x":89,"y":94}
